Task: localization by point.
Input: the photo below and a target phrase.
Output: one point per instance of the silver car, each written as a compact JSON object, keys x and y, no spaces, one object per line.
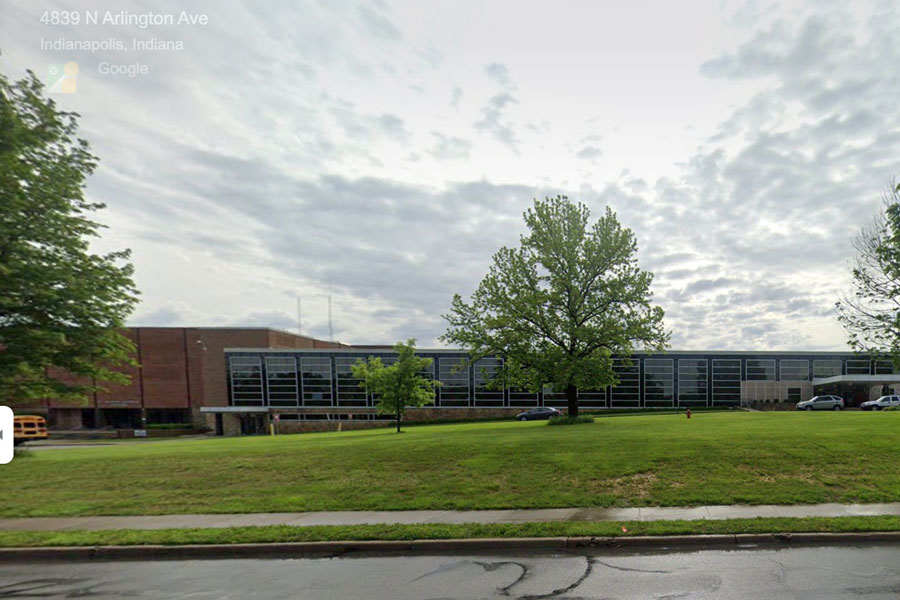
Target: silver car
{"x":822,"y":403}
{"x":883,"y":402}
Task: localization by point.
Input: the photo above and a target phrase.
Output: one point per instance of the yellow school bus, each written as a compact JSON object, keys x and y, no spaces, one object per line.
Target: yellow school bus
{"x":28,"y":427}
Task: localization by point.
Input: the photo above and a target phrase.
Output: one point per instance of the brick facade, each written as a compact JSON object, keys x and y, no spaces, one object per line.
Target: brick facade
{"x":180,"y":368}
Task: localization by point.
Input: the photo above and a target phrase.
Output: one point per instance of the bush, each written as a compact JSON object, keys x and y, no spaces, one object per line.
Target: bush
{"x":897,"y":408}
{"x":570,"y":420}
{"x":667,"y":410}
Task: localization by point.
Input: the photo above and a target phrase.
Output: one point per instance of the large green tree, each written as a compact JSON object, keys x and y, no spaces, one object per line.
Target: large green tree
{"x":400,"y":385}
{"x":558,"y":307}
{"x":871,"y":313}
{"x":61,"y":305}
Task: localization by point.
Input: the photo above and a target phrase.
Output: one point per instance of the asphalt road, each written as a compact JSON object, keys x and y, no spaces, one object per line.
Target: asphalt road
{"x":870,"y":572}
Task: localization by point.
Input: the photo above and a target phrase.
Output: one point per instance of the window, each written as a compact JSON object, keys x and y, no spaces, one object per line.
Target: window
{"x":281,"y":380}
{"x":454,"y":375}
{"x":488,"y":370}
{"x":246,"y":381}
{"x":349,"y":390}
{"x":859,"y":367}
{"x":692,"y":382}
{"x":316,"y":380}
{"x":826,"y":368}
{"x":884,"y":367}
{"x":726,"y":381}
{"x":592,"y":398}
{"x":628,"y":392}
{"x":659,"y":382}
{"x":760,"y":369}
{"x":522,"y":397}
{"x":793,"y":394}
{"x":795,"y":370}
{"x":553,"y":397}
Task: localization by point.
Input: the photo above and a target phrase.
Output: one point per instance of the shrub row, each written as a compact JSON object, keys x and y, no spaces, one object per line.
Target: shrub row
{"x":570,"y":420}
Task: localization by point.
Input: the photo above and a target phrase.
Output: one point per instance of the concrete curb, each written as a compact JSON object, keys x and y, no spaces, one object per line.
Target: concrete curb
{"x":424,"y":547}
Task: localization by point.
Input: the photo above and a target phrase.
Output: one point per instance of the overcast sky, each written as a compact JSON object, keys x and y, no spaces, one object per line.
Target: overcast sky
{"x":386,"y":150}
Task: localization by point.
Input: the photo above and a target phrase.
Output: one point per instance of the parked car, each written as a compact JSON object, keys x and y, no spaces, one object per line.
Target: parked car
{"x":883,"y":402}
{"x":543,"y":412}
{"x":822,"y":403}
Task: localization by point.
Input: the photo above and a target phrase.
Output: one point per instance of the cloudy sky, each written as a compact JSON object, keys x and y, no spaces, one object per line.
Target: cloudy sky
{"x":386,"y":150}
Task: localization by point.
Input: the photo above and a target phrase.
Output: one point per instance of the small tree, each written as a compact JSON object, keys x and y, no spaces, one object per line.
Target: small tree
{"x":61,"y":306}
{"x":562,"y":304}
{"x":871,"y":314}
{"x":399,"y":385}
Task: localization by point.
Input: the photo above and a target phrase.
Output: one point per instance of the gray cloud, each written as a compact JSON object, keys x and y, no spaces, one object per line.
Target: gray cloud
{"x":449,"y":148}
{"x":377,"y":24}
{"x":499,"y":74}
{"x":493,"y":121}
{"x":749,"y":241}
{"x":589,"y":152}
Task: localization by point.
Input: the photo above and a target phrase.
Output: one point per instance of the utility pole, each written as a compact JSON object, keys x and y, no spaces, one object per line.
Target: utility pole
{"x":330,"y":324}
{"x":299,"y":316}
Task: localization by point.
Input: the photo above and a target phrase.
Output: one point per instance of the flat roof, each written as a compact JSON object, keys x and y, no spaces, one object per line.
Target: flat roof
{"x":351,"y":349}
{"x":234,"y":409}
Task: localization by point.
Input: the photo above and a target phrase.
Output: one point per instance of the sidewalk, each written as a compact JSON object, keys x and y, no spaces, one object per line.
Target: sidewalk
{"x":407,"y":517}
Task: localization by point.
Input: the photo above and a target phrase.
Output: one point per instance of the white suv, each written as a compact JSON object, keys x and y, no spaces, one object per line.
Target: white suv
{"x":822,"y":403}
{"x":883,"y":402}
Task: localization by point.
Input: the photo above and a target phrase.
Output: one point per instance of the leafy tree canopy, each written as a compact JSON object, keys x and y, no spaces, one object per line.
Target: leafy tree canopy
{"x":60,"y":304}
{"x":400,"y":385}
{"x":871,"y":314}
{"x":558,"y":307}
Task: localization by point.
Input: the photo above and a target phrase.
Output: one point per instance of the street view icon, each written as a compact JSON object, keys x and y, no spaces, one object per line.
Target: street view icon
{"x":61,"y":79}
{"x":6,"y":435}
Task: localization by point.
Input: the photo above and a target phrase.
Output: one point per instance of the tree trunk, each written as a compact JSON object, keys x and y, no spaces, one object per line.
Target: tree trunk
{"x":398,"y":419}
{"x":572,"y":399}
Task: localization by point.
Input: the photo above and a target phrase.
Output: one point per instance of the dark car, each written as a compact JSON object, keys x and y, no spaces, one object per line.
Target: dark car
{"x":543,"y":412}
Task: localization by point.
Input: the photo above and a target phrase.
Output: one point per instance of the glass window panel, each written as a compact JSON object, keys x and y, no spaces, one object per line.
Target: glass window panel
{"x":859,"y":367}
{"x":827,"y":368}
{"x":315,"y":376}
{"x":246,"y":381}
{"x":554,"y":398}
{"x":349,"y":390}
{"x":760,"y":369}
{"x":281,"y":380}
{"x":628,"y":393}
{"x":486,"y":371}
{"x":592,"y":398}
{"x":659,"y":384}
{"x":726,"y":381}
{"x":454,"y":376}
{"x":884,"y":367}
{"x":522,"y":397}
{"x":794,"y":370}
{"x":692,"y":382}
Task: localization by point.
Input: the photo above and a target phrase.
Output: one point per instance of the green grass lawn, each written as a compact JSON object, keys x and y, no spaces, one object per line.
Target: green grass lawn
{"x":662,"y":460}
{"x":283,"y":533}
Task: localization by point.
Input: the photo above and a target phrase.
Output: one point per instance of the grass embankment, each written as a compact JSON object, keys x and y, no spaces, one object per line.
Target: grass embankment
{"x":279,"y":534}
{"x":659,"y":460}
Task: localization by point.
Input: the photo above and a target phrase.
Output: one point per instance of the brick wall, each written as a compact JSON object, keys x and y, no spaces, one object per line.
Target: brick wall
{"x":118,"y":395}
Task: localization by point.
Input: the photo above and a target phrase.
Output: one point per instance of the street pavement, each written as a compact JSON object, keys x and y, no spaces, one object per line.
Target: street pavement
{"x":821,"y":573}
{"x":542,"y":515}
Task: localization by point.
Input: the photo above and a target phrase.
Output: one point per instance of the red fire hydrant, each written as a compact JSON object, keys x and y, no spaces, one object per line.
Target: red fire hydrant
{"x":688,"y":413}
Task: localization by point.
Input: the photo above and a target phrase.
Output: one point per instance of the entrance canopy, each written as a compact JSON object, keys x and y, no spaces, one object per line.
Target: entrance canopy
{"x":888,"y":379}
{"x":234,"y":409}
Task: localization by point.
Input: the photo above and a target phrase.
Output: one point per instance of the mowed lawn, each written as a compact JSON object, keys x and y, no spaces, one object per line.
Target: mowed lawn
{"x":661,"y":460}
